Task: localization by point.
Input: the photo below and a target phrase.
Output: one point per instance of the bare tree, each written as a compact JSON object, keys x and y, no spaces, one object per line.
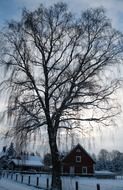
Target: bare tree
{"x":57,"y":77}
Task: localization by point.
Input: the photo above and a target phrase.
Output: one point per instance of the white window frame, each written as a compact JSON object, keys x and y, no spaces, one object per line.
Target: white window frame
{"x":78,"y":159}
{"x":84,"y":168}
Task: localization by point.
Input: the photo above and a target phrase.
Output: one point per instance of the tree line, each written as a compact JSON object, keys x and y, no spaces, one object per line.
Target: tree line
{"x":105,"y":160}
{"x":109,"y":160}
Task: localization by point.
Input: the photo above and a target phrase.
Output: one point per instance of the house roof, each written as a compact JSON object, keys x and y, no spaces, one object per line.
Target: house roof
{"x":29,"y":161}
{"x":75,"y":147}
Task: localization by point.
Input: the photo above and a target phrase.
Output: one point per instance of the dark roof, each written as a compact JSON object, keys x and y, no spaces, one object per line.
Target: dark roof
{"x":74,"y":148}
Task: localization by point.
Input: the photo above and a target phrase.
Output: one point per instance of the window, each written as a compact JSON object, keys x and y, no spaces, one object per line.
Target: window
{"x":78,"y":158}
{"x":84,"y":170}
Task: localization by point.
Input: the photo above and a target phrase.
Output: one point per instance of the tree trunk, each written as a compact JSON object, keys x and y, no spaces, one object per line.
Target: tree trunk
{"x":56,"y":170}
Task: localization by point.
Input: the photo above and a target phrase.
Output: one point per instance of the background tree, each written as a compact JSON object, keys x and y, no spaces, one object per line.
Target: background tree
{"x":117,"y":161}
{"x":11,"y":151}
{"x":111,"y":161}
{"x":47,"y":159}
{"x":103,"y":162}
{"x":57,"y":78}
{"x":94,"y":157}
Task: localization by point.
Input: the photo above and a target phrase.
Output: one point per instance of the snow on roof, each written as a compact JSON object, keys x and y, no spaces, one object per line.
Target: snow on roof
{"x":34,"y":158}
{"x":104,"y":172}
{"x":28,"y":161}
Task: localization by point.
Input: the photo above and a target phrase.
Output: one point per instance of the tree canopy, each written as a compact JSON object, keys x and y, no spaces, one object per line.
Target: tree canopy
{"x":56,"y":78}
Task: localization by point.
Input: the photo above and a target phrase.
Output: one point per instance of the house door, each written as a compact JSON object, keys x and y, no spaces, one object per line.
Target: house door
{"x":62,"y":170}
{"x":72,"y":170}
{"x":84,"y":170}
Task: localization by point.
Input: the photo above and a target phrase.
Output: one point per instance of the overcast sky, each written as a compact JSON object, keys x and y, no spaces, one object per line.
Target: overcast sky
{"x":11,"y":9}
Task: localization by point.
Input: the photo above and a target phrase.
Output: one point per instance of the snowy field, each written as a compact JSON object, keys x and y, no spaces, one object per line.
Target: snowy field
{"x":90,"y":184}
{"x":6,"y":184}
{"x":68,"y":183}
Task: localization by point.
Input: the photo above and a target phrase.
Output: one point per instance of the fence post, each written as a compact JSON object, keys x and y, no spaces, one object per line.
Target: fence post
{"x":29,"y":180}
{"x":77,"y":185}
{"x":37,"y":182}
{"x":47,"y":183}
{"x":22,"y":179}
{"x":11,"y":175}
{"x":7,"y":175}
{"x":98,"y":186}
{"x":60,"y":184}
{"x":16,"y":177}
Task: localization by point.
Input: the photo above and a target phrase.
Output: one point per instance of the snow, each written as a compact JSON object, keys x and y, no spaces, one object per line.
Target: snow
{"x":68,"y":183}
{"x":104,"y":172}
{"x":29,"y":161}
{"x":34,"y":158}
{"x":91,"y":184}
{"x":10,"y":185}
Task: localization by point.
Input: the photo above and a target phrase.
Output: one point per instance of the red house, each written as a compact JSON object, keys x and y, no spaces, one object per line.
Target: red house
{"x":77,"y":162}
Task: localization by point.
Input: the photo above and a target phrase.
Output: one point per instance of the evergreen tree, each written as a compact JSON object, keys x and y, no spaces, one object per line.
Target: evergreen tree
{"x":11,"y":151}
{"x":112,"y":161}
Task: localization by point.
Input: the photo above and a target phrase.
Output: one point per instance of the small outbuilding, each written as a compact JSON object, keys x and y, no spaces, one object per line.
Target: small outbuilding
{"x":78,"y":162}
{"x":32,"y":163}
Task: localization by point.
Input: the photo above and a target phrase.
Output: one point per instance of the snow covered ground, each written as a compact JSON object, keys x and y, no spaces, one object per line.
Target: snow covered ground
{"x":6,"y":184}
{"x":68,"y":183}
{"x":91,"y":184}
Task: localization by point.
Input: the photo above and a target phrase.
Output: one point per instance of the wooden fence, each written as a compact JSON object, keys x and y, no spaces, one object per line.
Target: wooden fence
{"x":36,"y":182}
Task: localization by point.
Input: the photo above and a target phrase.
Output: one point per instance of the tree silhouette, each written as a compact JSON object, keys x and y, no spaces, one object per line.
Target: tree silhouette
{"x":56,"y":79}
{"x":11,"y":151}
